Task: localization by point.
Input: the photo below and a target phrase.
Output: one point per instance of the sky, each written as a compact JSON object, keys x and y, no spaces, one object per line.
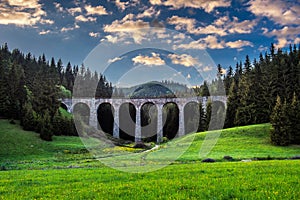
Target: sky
{"x":187,"y":30}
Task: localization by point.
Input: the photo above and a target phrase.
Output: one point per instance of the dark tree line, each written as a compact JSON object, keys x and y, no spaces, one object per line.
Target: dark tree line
{"x":30,"y":89}
{"x":255,"y":88}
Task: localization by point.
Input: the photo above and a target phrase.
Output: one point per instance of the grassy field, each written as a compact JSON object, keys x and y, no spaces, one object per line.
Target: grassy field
{"x":254,"y":180}
{"x":34,"y":169}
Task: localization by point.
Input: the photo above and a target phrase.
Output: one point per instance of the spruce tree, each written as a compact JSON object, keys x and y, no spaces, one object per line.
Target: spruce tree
{"x":46,"y":129}
{"x":280,"y":124}
{"x":208,"y":114}
{"x":29,"y":117}
{"x":232,"y":105}
{"x":294,"y":116}
{"x":202,"y":118}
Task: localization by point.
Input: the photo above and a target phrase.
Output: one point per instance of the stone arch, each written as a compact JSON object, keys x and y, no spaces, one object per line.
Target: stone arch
{"x":170,"y":119}
{"x":149,"y":121}
{"x":105,"y":117}
{"x":191,"y":117}
{"x":127,"y":120}
{"x":218,"y":113}
{"x":82,"y":112}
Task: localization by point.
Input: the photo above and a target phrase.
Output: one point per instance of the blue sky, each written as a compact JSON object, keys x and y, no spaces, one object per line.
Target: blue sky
{"x":227,"y":30}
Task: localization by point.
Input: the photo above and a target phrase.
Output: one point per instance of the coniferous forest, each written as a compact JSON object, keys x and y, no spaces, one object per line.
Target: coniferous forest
{"x":264,"y":90}
{"x":30,"y":89}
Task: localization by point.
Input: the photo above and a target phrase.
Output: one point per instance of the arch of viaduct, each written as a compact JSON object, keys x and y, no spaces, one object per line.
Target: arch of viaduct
{"x":94,"y":104}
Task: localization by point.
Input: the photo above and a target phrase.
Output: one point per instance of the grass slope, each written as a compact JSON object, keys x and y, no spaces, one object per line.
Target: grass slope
{"x":241,"y":143}
{"x":187,"y":178}
{"x":23,"y":149}
{"x":65,"y":113}
{"x":17,"y":144}
{"x":254,"y":180}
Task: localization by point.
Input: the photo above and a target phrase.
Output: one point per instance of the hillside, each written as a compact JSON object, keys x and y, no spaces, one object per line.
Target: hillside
{"x":152,"y":90}
{"x":18,"y":146}
{"x":69,"y":172}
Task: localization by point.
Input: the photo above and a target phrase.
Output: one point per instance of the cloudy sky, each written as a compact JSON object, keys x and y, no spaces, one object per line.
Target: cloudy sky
{"x":227,"y":29}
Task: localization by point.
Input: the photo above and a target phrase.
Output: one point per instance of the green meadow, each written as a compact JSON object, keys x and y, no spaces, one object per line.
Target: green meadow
{"x":64,"y":169}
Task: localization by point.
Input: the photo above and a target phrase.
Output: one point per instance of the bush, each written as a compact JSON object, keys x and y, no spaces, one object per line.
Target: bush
{"x":64,"y":93}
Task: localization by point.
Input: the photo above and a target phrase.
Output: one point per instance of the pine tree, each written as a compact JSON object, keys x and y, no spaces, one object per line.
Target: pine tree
{"x":59,"y":68}
{"x":69,"y":77}
{"x":202,"y":119}
{"x":232,"y":105}
{"x":244,"y":113}
{"x":280,"y":124}
{"x":208,"y":114}
{"x":57,"y":123}
{"x":4,"y":89}
{"x":247,"y":65}
{"x":46,"y":131}
{"x":294,"y":116}
{"x":29,"y":117}
{"x":228,"y":80}
{"x":204,"y":91}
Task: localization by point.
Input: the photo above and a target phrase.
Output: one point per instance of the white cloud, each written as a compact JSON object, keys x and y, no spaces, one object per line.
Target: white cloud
{"x":93,"y":34}
{"x":280,"y":11}
{"x":221,"y":21}
{"x":24,"y":3}
{"x":265,"y":30}
{"x":261,"y":48}
{"x":221,"y":26}
{"x":66,"y":29}
{"x":184,"y":59}
{"x":98,"y":10}
{"x":114,"y":59}
{"x":121,"y":5}
{"x":46,"y":21}
{"x":43,"y":32}
{"x":212,"y":42}
{"x":284,"y":13}
{"x":111,"y":39}
{"x":297,"y":40}
{"x":81,"y":18}
{"x":223,"y":71}
{"x":207,"y":68}
{"x":286,"y":31}
{"x":182,"y":23}
{"x":238,"y":44}
{"x":128,"y":25}
{"x":210,"y":29}
{"x":58,"y":7}
{"x":73,"y":11}
{"x":21,"y":12}
{"x":235,"y":26}
{"x":153,"y":60}
{"x":179,"y":36}
{"x":125,"y":25}
{"x":285,"y":36}
{"x":208,"y":6}
{"x":150,"y":13}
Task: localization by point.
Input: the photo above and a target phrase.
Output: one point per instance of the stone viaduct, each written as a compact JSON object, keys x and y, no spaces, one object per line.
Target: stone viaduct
{"x":116,"y":103}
